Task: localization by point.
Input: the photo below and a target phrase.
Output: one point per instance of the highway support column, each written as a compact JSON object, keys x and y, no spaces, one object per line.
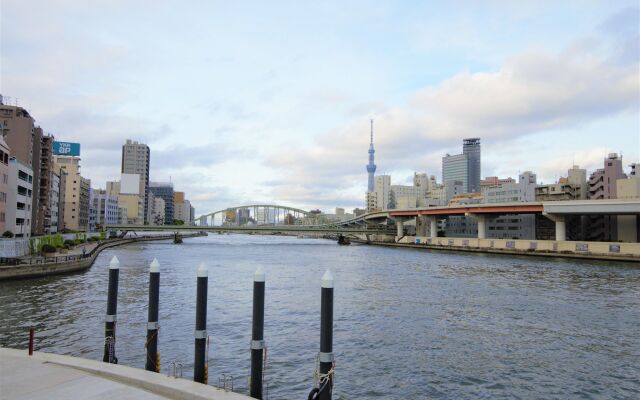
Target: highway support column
{"x":561,"y":226}
{"x":433,"y":225}
{"x":421,"y":225}
{"x":482,"y":224}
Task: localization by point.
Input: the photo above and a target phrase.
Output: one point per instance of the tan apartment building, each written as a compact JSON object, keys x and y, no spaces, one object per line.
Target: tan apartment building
{"x":130,"y":205}
{"x":136,"y":160}
{"x":31,"y":147}
{"x":74,"y":194}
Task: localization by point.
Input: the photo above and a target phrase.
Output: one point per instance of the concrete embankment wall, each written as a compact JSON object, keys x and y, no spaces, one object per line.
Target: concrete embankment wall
{"x":592,"y":250}
{"x":71,"y":263}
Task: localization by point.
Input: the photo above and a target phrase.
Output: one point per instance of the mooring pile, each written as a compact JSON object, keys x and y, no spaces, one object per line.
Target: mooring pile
{"x":323,"y":382}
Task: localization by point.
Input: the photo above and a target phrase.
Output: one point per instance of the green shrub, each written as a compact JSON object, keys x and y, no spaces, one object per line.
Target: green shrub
{"x":7,"y":234}
{"x":68,"y":243}
{"x":47,"y":248}
{"x":66,"y":246}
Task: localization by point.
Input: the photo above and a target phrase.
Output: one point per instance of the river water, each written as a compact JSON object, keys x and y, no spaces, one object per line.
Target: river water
{"x":408,"y":323}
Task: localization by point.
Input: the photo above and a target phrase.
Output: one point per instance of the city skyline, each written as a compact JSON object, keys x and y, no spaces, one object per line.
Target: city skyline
{"x":295,"y":129}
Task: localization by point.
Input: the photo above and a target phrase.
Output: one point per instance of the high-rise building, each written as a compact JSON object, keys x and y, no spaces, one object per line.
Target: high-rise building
{"x":371,"y":167}
{"x":165,"y":192}
{"x":465,"y":167}
{"x":136,"y":160}
{"x":455,"y":168}
{"x":30,"y":146}
{"x":471,"y":147}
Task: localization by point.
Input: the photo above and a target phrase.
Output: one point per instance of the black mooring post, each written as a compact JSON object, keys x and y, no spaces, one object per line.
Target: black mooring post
{"x":257,"y":334}
{"x":326,"y":337}
{"x":112,"y":309}
{"x":153,"y":363}
{"x":201,"y":325}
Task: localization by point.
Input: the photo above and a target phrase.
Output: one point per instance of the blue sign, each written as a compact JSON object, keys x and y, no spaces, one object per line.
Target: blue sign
{"x":66,"y":149}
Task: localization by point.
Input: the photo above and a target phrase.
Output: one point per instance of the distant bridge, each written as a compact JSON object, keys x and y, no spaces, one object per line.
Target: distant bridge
{"x":273,"y":229}
{"x":258,"y":214}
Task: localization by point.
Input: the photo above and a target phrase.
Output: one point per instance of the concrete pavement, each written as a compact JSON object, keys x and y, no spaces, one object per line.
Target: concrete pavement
{"x":52,"y":376}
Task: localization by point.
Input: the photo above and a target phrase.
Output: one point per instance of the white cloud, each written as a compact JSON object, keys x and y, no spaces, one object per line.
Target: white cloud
{"x":531,"y":93}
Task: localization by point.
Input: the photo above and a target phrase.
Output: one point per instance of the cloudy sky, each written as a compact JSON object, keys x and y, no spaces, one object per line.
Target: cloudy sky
{"x":245,"y":102}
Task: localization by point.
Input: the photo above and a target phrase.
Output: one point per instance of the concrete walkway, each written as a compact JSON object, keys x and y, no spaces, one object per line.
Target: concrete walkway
{"x":52,"y":376}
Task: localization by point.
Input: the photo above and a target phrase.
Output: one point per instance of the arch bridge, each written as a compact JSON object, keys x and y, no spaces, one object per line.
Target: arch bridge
{"x":255,"y":214}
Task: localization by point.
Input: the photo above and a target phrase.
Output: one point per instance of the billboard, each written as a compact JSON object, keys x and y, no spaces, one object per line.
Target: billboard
{"x":66,"y":149}
{"x":130,"y":184}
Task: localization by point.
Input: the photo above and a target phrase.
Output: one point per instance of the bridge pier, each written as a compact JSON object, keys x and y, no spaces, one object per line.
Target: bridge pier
{"x":482,"y":224}
{"x":400,"y":226}
{"x":421,"y":225}
{"x":561,"y":225}
{"x":433,"y":225}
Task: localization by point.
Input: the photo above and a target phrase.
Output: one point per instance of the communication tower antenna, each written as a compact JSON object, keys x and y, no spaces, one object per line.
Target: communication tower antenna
{"x":371,"y":130}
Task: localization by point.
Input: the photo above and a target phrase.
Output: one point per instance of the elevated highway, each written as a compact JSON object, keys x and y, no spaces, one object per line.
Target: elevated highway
{"x":557,"y":211}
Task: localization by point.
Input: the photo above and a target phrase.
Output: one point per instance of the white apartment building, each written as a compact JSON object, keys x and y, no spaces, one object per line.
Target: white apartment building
{"x":19,"y":198}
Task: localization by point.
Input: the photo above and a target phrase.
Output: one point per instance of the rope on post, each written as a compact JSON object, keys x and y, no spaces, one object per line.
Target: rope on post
{"x":321,"y":381}
{"x":109,"y":342}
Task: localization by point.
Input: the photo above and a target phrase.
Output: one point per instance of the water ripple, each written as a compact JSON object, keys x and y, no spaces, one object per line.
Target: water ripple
{"x":407,"y":324}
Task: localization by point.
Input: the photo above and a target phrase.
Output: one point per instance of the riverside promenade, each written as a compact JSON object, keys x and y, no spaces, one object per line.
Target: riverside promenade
{"x":51,"y":376}
{"x":78,"y":259}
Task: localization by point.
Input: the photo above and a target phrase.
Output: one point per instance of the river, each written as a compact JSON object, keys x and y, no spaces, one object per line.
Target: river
{"x":407,"y":323}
